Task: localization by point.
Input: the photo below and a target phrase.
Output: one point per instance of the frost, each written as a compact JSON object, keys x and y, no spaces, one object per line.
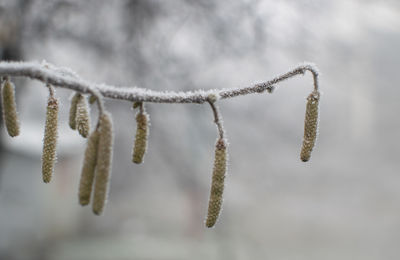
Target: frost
{"x":67,"y":78}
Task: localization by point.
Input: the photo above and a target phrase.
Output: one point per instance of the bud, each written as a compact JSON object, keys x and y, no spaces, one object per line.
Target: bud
{"x":10,"y":109}
{"x":137,"y":104}
{"x":140,"y":146}
{"x":217,"y":185}
{"x":50,"y":140}
{"x":88,"y":169}
{"x":72,"y":110}
{"x":212,"y":98}
{"x":103,"y":165}
{"x":82,"y":116}
{"x":92,"y":99}
{"x":310,"y":126}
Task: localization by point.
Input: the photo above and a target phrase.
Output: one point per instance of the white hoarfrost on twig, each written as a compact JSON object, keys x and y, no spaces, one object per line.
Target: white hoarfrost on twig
{"x":66,"y":78}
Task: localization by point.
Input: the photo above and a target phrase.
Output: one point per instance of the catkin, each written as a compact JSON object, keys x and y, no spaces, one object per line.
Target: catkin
{"x":82,"y":116}
{"x":50,"y":140}
{"x":10,"y":109}
{"x":217,"y":184}
{"x":103,"y":165}
{"x":88,"y":169}
{"x":139,"y":148}
{"x":310,"y":126}
{"x":72,"y":110}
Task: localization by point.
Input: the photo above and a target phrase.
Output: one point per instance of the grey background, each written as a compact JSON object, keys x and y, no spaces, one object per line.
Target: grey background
{"x":343,"y":204}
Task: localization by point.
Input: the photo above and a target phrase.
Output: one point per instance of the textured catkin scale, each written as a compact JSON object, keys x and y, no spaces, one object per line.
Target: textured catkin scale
{"x":217,"y":184}
{"x":310,"y":126}
{"x":103,"y":165}
{"x":88,"y":169}
{"x":82,"y":116}
{"x":10,"y":109}
{"x":139,"y":149}
{"x":72,"y":110}
{"x":50,"y":140}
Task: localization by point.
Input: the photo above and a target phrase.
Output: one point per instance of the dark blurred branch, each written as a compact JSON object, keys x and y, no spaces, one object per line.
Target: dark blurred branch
{"x":66,"y":78}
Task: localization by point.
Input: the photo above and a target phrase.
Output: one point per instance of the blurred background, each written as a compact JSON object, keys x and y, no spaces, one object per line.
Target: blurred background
{"x":343,"y":204}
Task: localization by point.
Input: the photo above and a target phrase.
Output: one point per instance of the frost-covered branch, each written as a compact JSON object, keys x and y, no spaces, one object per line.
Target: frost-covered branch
{"x":96,"y":170}
{"x":65,"y":78}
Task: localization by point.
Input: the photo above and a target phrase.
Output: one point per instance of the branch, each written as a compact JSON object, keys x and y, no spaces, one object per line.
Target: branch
{"x":65,"y":78}
{"x":96,"y":170}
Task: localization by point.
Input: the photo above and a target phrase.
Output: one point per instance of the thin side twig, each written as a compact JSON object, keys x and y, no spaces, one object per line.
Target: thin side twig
{"x":217,"y":119}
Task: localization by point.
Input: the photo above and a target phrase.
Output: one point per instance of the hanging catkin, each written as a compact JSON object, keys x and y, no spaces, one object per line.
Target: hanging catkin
{"x":103,"y":165}
{"x":88,"y":169}
{"x":50,"y":139}
{"x":217,"y":184}
{"x":310,"y":126}
{"x":10,"y":109}
{"x":72,"y":110}
{"x":82,"y":116}
{"x":139,"y":148}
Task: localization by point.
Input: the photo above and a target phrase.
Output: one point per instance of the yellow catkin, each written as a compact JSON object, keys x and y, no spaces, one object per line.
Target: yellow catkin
{"x":10,"y":109}
{"x":139,"y":149}
{"x":103,"y":165}
{"x":310,"y":126}
{"x":217,"y":184}
{"x":50,"y":140}
{"x":82,"y":116}
{"x":72,"y":110}
{"x":88,"y":169}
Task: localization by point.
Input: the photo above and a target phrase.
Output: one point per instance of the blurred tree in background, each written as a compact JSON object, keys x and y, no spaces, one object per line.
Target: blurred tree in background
{"x":342,"y":205}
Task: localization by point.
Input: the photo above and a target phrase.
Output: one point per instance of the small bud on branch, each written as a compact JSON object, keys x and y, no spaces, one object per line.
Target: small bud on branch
{"x":92,"y":99}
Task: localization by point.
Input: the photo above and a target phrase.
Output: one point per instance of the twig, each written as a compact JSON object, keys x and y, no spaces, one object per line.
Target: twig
{"x":51,"y":90}
{"x":58,"y":78}
{"x":217,"y":117}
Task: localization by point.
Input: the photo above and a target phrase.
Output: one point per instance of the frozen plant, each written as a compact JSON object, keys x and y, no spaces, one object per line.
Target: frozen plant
{"x":95,"y":175}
